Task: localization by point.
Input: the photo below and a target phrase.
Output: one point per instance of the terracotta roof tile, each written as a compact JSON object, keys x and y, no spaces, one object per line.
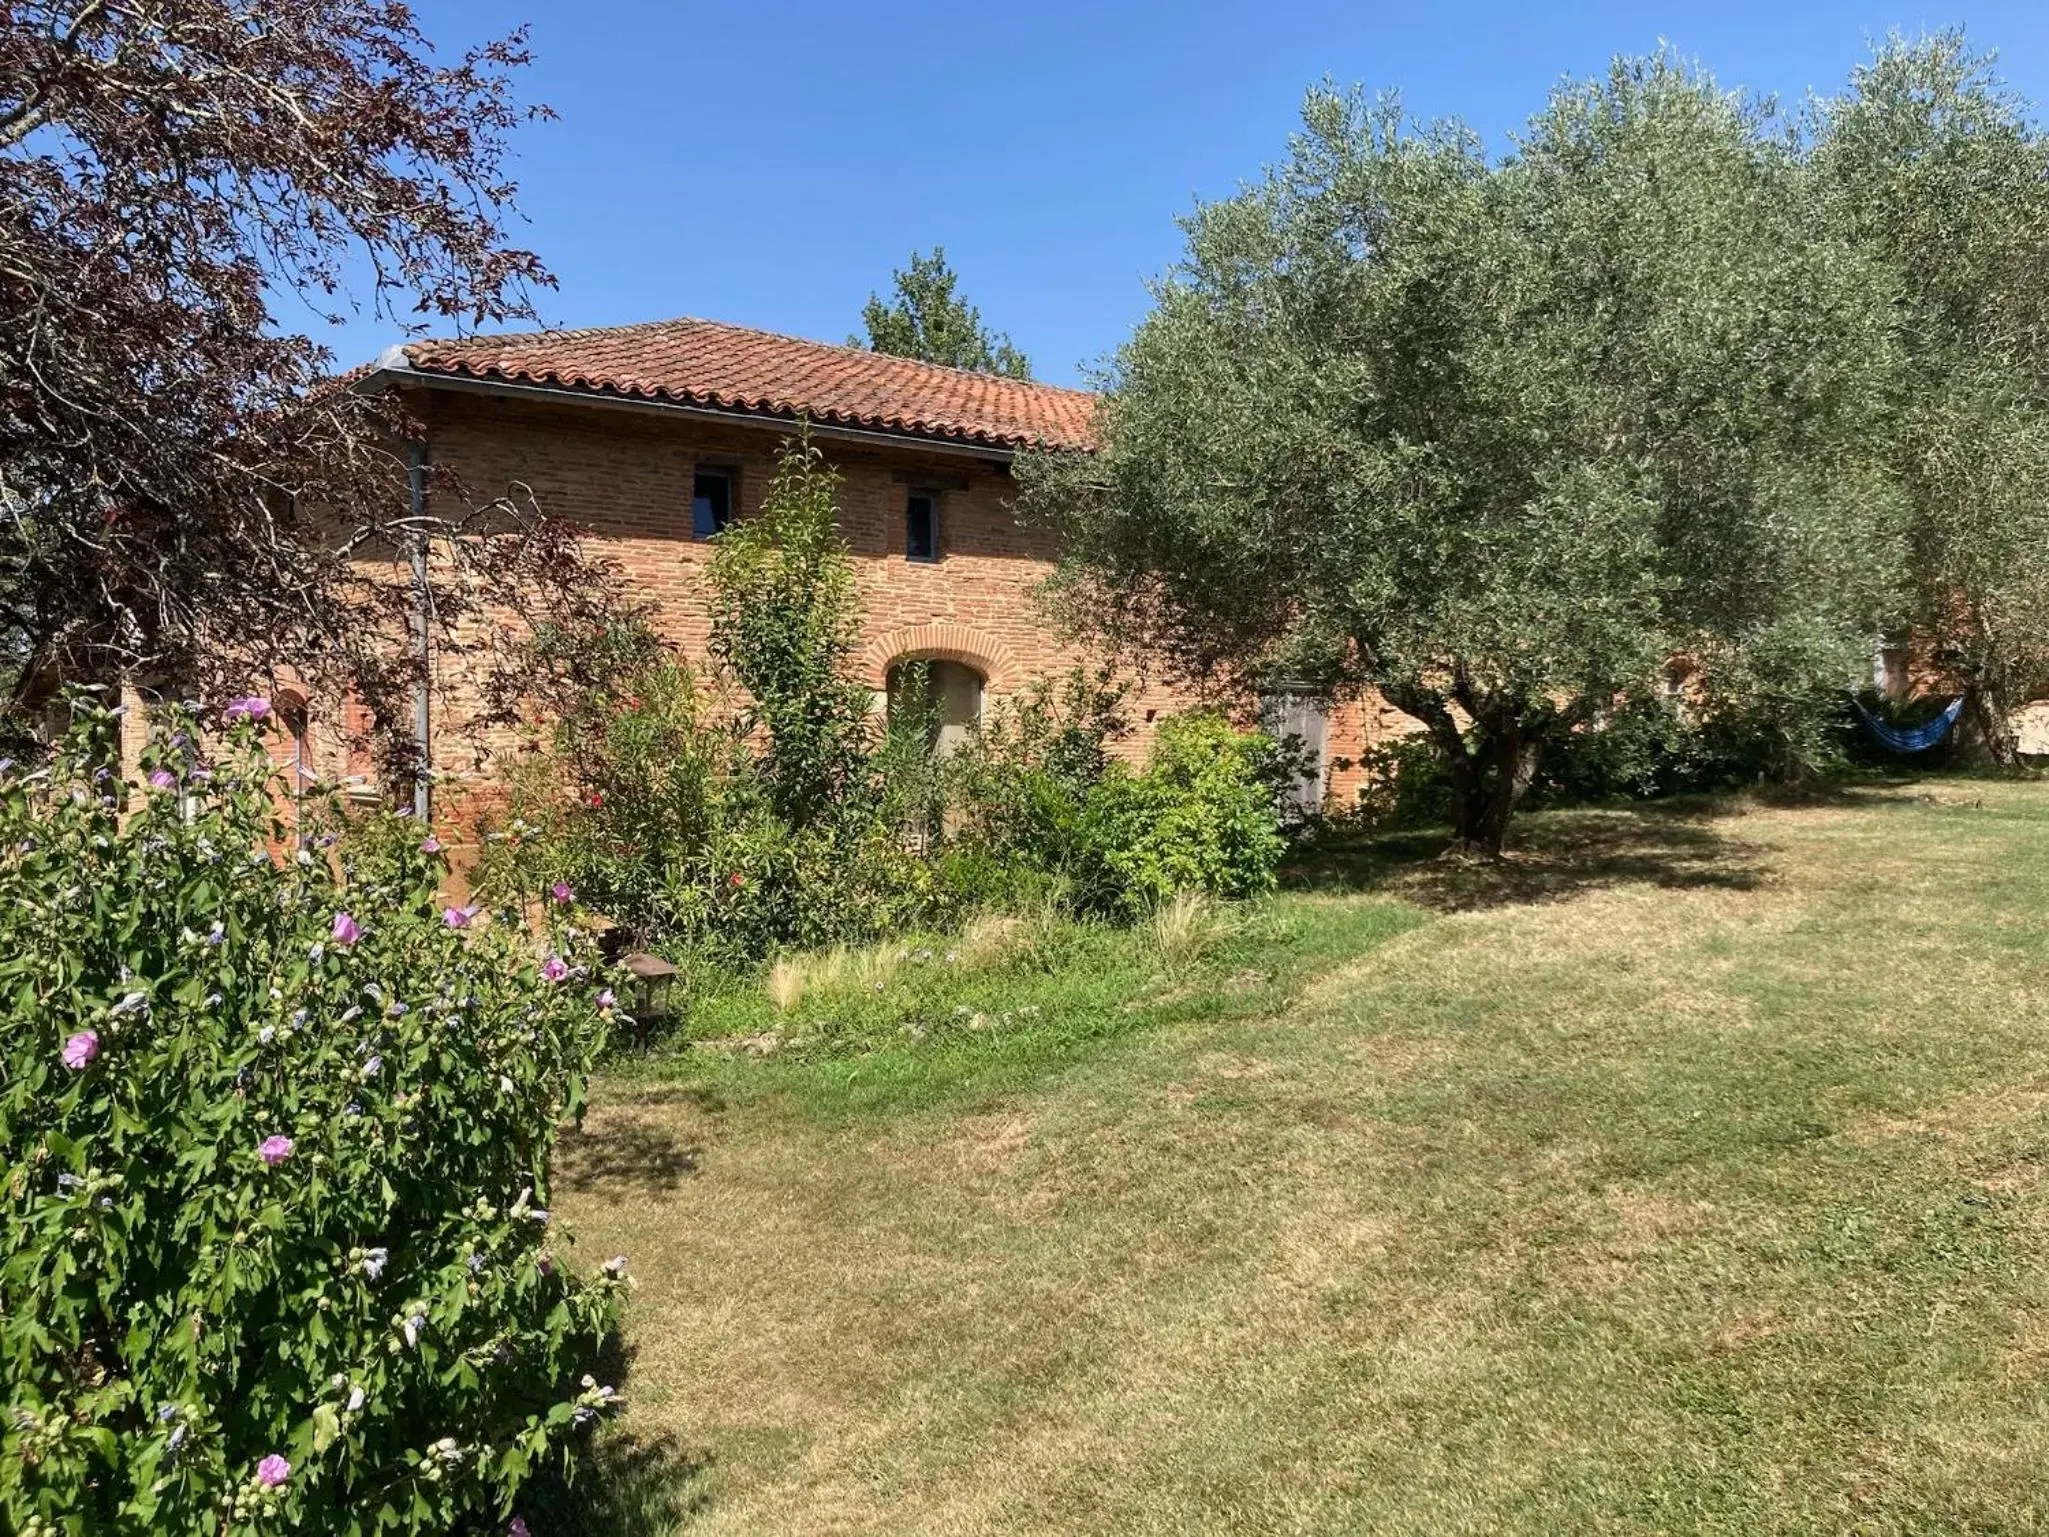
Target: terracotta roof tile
{"x":710,"y":364}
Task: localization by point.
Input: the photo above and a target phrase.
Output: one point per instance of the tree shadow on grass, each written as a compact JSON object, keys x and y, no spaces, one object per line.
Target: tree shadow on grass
{"x":627,"y":1484}
{"x":625,"y":1151}
{"x":1552,"y":857}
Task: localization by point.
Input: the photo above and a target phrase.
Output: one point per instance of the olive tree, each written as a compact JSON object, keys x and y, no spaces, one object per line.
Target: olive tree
{"x":1498,"y":438}
{"x":1942,"y":175}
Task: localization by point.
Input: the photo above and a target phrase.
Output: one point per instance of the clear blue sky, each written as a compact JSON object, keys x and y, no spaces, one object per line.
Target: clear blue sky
{"x":769,"y":163}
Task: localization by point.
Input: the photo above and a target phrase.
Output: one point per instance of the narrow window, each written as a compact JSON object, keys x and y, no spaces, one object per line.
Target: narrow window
{"x":298,"y":755}
{"x":711,"y":502}
{"x":921,"y":527}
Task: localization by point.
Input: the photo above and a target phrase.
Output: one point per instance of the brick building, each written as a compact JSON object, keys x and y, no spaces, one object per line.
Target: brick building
{"x":651,"y":437}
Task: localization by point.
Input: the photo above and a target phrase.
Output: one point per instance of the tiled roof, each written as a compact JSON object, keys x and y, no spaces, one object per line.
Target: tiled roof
{"x":706,"y":363}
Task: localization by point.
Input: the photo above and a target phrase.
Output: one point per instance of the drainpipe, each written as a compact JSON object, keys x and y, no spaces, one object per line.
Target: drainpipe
{"x":416,"y":475}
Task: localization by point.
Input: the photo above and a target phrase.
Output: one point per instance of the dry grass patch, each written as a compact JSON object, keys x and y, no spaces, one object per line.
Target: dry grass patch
{"x":1691,"y":1189}
{"x":990,"y":1144}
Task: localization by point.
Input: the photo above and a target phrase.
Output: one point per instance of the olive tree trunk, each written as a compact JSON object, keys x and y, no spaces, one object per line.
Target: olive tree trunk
{"x":1987,"y":730}
{"x":1489,"y":763}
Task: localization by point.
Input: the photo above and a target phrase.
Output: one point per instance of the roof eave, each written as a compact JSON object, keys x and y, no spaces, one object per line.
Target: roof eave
{"x":395,"y":370}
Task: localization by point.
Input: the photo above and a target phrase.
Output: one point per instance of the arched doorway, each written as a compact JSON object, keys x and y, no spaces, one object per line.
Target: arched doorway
{"x":946,"y":695}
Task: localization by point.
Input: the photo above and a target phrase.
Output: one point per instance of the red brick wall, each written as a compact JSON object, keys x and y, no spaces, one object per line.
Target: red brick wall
{"x":625,"y":478}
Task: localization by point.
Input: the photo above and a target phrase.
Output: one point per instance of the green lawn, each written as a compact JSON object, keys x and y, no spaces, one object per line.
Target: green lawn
{"x":1683,"y":1177}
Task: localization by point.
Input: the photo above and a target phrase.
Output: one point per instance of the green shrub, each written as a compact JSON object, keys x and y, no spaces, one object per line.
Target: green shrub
{"x":1018,"y":789}
{"x":1716,"y":738}
{"x":1642,"y":748}
{"x":1040,"y":810}
{"x":1668,"y":746}
{"x":784,"y":624}
{"x":720,"y":821}
{"x":1403,"y":785}
{"x":276,"y":1142}
{"x":1204,"y":816}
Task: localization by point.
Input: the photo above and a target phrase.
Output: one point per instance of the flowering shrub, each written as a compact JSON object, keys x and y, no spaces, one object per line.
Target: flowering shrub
{"x":275,"y":1137}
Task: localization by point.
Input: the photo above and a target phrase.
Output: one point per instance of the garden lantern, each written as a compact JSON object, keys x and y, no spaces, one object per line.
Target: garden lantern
{"x":653,"y":981}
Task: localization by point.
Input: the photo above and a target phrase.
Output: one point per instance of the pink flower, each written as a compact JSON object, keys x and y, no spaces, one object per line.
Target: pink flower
{"x":736,"y":880}
{"x":273,"y":1471}
{"x":607,"y":998}
{"x":249,"y":707}
{"x":518,"y":1528}
{"x":430,"y":844}
{"x":561,"y":891}
{"x":81,"y":1049}
{"x":162,"y":779}
{"x":345,"y":930}
{"x":275,"y":1150}
{"x":554,"y":969}
{"x":458,"y":917}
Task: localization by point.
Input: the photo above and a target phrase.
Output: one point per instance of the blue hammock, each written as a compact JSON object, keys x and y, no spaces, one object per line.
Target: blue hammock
{"x":1912,"y":738}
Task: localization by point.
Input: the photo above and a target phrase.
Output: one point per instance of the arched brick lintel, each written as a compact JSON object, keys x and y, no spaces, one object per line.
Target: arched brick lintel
{"x":940,"y":642}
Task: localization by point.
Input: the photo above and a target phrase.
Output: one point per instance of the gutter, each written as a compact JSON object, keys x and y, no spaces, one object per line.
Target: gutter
{"x":423,"y":742}
{"x":393,"y":369}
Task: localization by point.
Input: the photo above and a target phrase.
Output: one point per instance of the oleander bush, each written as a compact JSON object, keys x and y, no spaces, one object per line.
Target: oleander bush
{"x":275,"y":1132}
{"x":650,"y":802}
